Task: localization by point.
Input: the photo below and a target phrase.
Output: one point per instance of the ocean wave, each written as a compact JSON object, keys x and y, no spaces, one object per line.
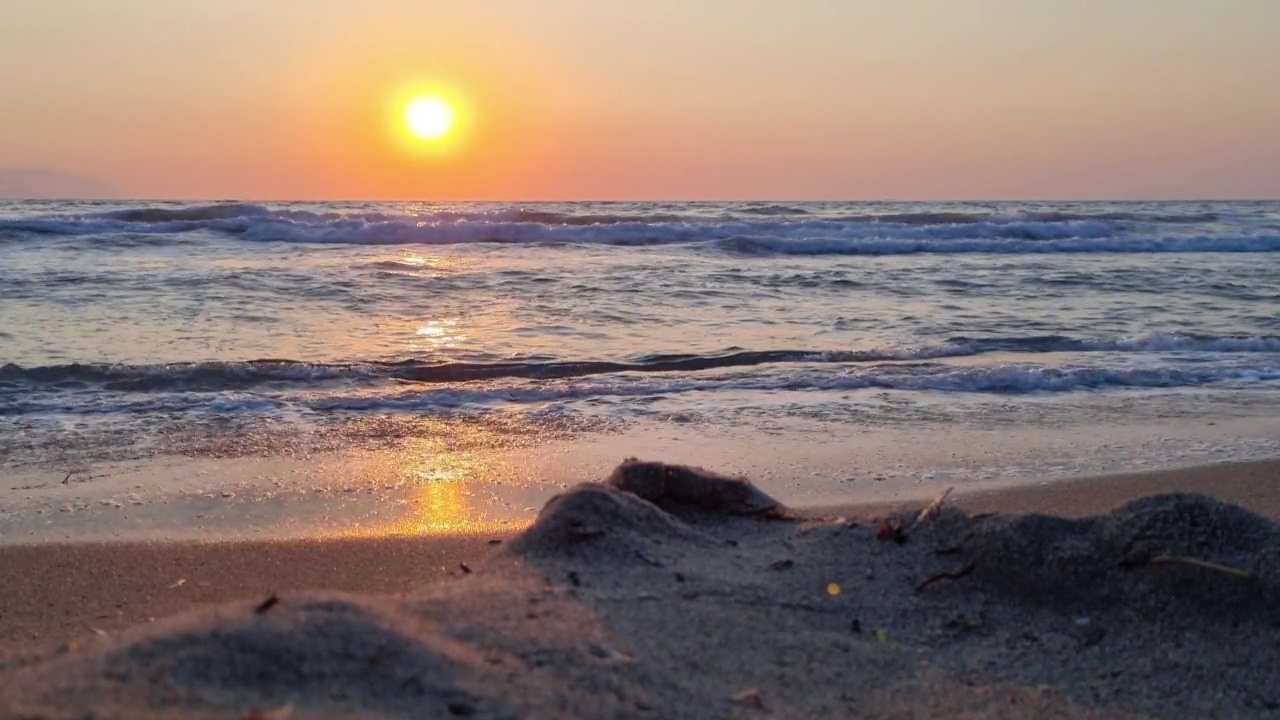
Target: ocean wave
{"x":945,"y":217}
{"x":258,"y":223}
{"x":1014,"y":379}
{"x":1007,"y":379}
{"x":750,"y":230}
{"x":283,"y":373}
{"x":1138,"y":344}
{"x":1001,"y":379}
{"x":830,"y":245}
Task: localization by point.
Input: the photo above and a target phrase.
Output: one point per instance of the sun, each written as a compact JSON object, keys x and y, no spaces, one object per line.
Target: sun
{"x":430,"y":117}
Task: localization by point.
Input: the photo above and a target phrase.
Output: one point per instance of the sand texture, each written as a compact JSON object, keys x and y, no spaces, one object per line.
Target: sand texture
{"x":610,"y":605}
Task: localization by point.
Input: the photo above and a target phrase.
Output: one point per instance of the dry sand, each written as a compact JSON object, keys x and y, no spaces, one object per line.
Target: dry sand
{"x":705,"y":602}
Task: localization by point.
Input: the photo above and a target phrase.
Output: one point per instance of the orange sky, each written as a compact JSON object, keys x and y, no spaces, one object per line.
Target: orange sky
{"x":718,"y":99}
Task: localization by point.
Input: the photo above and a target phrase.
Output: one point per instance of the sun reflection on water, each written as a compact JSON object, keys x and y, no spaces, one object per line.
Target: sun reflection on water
{"x":417,"y":260}
{"x":453,"y":492}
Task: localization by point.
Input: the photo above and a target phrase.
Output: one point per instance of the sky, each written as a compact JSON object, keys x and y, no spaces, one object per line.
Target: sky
{"x":662,"y":99}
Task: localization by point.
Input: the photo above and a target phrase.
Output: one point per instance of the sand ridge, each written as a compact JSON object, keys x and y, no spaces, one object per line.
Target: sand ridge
{"x":611,"y":606}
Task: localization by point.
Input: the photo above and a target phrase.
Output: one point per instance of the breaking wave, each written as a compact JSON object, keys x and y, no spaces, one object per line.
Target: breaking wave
{"x":1001,"y":379}
{"x":280,"y":374}
{"x":740,"y":229}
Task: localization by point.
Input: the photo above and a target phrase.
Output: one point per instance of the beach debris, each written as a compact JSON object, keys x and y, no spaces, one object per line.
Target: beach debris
{"x":882,"y":635}
{"x":891,"y":530}
{"x":66,"y":479}
{"x":98,"y":631}
{"x":679,"y":577}
{"x":954,"y":575}
{"x":178,"y":583}
{"x":749,"y":696}
{"x":782,"y":564}
{"x":666,"y":485}
{"x":495,"y":541}
{"x":932,"y":508}
{"x":855,"y":626}
{"x":575,"y":579}
{"x":1202,"y":564}
{"x":465,"y":568}
{"x":833,"y":589}
{"x":604,"y":652}
{"x":267,"y":604}
{"x":280,"y":713}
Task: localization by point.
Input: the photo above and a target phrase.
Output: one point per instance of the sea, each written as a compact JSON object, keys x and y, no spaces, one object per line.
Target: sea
{"x":224,"y":368}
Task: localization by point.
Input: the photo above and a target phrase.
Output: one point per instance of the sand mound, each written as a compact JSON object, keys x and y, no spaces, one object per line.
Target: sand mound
{"x":641,"y":513}
{"x":1146,"y":554}
{"x":680,"y":487}
{"x":315,"y":654}
{"x":598,"y":523}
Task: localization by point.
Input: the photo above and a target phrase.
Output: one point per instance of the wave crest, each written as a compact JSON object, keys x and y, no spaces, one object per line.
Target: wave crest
{"x":752,"y":229}
{"x":244,"y":375}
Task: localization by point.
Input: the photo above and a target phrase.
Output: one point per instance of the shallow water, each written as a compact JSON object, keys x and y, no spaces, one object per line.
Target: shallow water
{"x":131,"y":331}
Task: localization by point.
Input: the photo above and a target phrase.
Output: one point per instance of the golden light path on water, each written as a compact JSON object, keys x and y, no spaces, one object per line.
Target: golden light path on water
{"x":443,"y":498}
{"x":465,"y":478}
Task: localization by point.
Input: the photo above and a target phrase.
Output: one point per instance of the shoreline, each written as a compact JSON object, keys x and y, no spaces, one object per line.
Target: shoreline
{"x":72,"y":589}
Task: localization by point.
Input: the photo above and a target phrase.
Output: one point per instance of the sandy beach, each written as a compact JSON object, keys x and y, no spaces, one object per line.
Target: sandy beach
{"x":708,"y":601}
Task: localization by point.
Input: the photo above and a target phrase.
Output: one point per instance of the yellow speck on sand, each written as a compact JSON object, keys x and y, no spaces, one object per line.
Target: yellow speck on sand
{"x":833,"y":589}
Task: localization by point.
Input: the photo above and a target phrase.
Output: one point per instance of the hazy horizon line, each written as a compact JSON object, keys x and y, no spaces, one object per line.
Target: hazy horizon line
{"x":708,"y":201}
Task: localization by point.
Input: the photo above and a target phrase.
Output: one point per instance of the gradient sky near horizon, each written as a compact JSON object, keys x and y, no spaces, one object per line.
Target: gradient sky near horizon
{"x":663,"y":99}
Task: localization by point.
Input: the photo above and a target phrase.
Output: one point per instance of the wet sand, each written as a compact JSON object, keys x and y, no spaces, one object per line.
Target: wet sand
{"x":610,"y":606}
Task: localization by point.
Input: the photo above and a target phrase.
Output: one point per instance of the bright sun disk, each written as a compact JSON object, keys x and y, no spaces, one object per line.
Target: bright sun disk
{"x":429,"y":117}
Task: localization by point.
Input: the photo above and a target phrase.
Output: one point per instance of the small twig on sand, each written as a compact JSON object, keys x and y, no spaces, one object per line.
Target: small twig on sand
{"x":68,"y":477}
{"x":750,"y":696}
{"x":947,"y":576}
{"x":933,"y":507}
{"x":1202,"y":564}
{"x":267,"y":604}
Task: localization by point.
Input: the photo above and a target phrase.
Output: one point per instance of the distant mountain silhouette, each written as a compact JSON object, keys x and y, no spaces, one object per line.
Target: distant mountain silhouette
{"x":41,"y":184}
